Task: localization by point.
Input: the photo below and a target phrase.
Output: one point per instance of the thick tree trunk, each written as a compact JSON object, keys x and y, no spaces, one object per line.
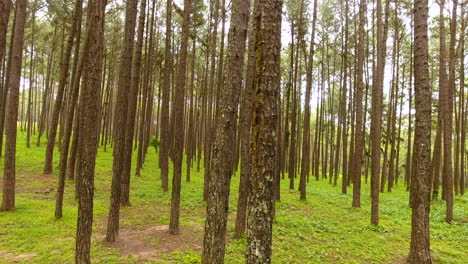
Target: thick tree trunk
{"x":419,"y":198}
{"x":14,"y":76}
{"x":264,"y":137}
{"x":221,"y":168}
{"x":90,"y":105}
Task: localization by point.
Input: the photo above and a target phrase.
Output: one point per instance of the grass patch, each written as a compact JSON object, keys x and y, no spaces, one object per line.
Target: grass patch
{"x":323,"y":229}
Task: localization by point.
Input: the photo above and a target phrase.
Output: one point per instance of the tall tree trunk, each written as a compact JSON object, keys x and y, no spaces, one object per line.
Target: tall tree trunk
{"x":5,"y":9}
{"x":120,"y":119}
{"x":221,"y":168}
{"x":463,"y":110}
{"x":132,"y":107}
{"x":264,"y":138}
{"x":64,"y":70}
{"x":245,"y":127}
{"x":14,"y":77}
{"x":306,"y":131}
{"x":31,"y":76}
{"x":419,"y":192}
{"x":72,"y":103}
{"x":179,"y":122}
{"x":448,"y":119}
{"x":344,"y":114}
{"x":210,"y":125}
{"x":359,"y":141}
{"x":166,"y":87}
{"x":90,"y":105}
{"x":376,"y":117}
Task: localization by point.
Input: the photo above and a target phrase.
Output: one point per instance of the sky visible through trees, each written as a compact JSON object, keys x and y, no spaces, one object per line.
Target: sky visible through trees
{"x":233,"y":131}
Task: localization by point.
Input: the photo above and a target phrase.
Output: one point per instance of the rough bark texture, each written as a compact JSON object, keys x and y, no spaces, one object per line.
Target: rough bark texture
{"x":120,"y":119}
{"x":419,"y":198}
{"x":264,"y":137}
{"x":166,"y":87}
{"x":179,"y":122}
{"x":221,"y":168}
{"x":245,"y":125}
{"x":14,"y":76}
{"x":90,"y":105}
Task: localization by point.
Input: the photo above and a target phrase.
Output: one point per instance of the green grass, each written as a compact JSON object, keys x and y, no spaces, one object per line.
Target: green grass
{"x":323,"y":229}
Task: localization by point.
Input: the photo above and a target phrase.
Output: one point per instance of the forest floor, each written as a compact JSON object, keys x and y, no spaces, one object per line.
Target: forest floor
{"x":323,"y":229}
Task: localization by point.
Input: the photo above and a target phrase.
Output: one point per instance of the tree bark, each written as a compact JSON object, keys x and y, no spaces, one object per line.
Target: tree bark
{"x":64,"y":153}
{"x":64,"y":71}
{"x":5,"y":10}
{"x":132,"y":107}
{"x":376,"y":116}
{"x":179,"y":122}
{"x":166,"y":86}
{"x":14,"y":76}
{"x":120,"y":119}
{"x":264,"y":137}
{"x":222,"y":160}
{"x":90,"y":105}
{"x":419,"y":197}
{"x":306,"y":130}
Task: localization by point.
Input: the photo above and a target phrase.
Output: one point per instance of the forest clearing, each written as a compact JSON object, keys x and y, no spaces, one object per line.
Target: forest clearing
{"x":233,"y":131}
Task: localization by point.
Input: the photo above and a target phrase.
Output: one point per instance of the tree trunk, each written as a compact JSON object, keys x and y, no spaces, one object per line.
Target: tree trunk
{"x":132,"y":107}
{"x":448,"y":119}
{"x":179,"y":122}
{"x":245,"y":127}
{"x":90,"y":105}
{"x":359,"y":141}
{"x":64,"y":70}
{"x":64,"y":152}
{"x":221,"y":168}
{"x":264,"y":137}
{"x":376,"y":117}
{"x":14,"y":76}
{"x":419,"y":192}
{"x":5,"y":9}
{"x":120,"y":119}
{"x":306,"y":132}
{"x":166,"y":87}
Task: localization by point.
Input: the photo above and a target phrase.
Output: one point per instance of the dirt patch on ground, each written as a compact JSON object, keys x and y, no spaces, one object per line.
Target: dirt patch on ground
{"x":15,"y":258}
{"x":151,"y":243}
{"x":34,"y":183}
